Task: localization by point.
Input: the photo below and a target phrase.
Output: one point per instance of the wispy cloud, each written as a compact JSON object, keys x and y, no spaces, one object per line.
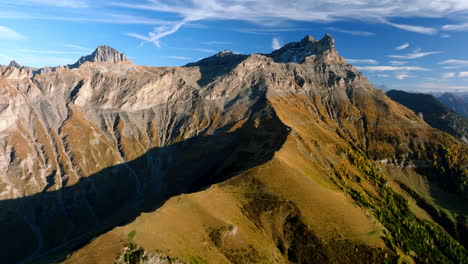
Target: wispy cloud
{"x":28,"y":51}
{"x":352,"y":32}
{"x":78,"y":47}
{"x":271,"y":13}
{"x":362,"y":61}
{"x":269,"y":31}
{"x":275,"y":44}
{"x":455,"y":63}
{"x":216,"y":43}
{"x":402,"y":47}
{"x":398,"y":63}
{"x":392,"y":68}
{"x":414,"y":55}
{"x":401,"y":76}
{"x":456,"y":27}
{"x":10,"y":34}
{"x":57,"y":3}
{"x":452,"y":67}
{"x":179,"y":57}
{"x":416,"y":29}
{"x":448,"y":75}
{"x":204,"y":50}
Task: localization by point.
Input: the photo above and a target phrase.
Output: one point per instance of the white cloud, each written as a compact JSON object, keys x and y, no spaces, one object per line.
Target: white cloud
{"x":363,"y":61}
{"x":275,"y":44}
{"x":392,"y":68}
{"x":383,"y":75}
{"x":216,"y":43}
{"x":455,"y":63}
{"x":463,"y":74}
{"x":178,"y":57}
{"x":414,"y":55}
{"x":58,"y":3}
{"x":271,"y":13}
{"x":403,"y":46}
{"x":451,"y":67}
{"x":269,"y":31}
{"x":29,"y":51}
{"x":448,"y":75}
{"x":352,"y":32}
{"x":398,"y":63}
{"x":78,"y":47}
{"x":401,"y":76}
{"x":459,"y":27}
{"x":10,"y":34}
{"x":417,"y":29}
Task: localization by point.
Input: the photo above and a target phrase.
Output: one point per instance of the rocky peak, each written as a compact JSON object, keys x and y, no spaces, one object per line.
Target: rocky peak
{"x":298,"y":51}
{"x":307,"y":39}
{"x":224,"y":53}
{"x":101,"y":54}
{"x":14,"y":64}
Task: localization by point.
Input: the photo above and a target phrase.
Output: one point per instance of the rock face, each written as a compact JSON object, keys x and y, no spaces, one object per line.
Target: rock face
{"x":101,"y":54}
{"x":89,"y":146}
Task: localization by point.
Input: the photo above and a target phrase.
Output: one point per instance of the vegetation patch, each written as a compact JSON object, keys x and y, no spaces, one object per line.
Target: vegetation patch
{"x":426,"y":242}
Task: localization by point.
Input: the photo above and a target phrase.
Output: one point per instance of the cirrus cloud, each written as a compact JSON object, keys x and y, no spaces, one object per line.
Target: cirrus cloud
{"x":10,"y":34}
{"x":392,"y":68}
{"x":278,"y":12}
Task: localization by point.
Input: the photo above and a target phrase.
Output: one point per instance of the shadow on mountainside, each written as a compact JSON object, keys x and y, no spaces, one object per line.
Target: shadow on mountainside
{"x":217,"y":65}
{"x":49,"y":225}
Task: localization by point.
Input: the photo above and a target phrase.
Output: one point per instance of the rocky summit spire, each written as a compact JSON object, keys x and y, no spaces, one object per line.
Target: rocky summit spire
{"x":298,"y":51}
{"x":107,"y":54}
{"x":101,"y":54}
{"x":14,"y":64}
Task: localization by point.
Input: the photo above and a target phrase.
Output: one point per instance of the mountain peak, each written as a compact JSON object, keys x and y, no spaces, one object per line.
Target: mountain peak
{"x":308,"y":46}
{"x":224,"y":53}
{"x":107,"y":54}
{"x":101,"y":54}
{"x":15,"y":64}
{"x":307,"y":39}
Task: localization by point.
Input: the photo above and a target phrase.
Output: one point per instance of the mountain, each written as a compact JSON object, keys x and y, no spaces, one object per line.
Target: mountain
{"x":433,"y":112}
{"x":101,"y":54}
{"x":288,"y":157}
{"x":456,"y":102}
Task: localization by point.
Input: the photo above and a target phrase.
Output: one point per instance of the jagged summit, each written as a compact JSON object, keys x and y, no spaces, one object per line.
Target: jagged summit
{"x":298,"y":51}
{"x":224,"y":53}
{"x":15,"y":64}
{"x":101,"y":54}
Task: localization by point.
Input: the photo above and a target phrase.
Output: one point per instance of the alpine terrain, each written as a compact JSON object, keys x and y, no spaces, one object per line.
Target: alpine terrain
{"x":288,"y":157}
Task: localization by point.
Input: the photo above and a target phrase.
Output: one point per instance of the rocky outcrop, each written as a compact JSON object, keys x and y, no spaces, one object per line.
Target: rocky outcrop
{"x":101,"y":54}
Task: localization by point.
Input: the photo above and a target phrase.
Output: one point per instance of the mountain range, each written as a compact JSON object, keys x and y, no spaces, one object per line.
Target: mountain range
{"x":288,"y":157}
{"x":434,"y":112}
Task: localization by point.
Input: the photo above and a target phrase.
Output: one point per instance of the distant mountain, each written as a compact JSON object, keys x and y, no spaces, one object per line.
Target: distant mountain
{"x":433,"y":112}
{"x":457,"y":102}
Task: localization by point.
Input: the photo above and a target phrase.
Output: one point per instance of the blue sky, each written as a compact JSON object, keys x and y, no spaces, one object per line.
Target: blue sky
{"x":406,"y":44}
